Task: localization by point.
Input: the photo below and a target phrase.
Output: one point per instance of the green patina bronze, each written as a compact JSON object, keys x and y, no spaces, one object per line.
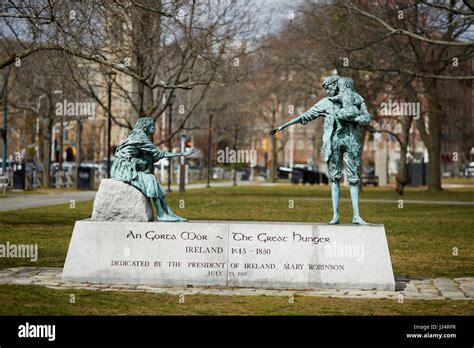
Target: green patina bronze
{"x":133,"y":159}
{"x":344,"y":111}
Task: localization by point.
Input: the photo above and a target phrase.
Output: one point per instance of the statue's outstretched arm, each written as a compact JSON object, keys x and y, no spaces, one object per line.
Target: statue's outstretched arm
{"x":316,"y":111}
{"x":158,"y":154}
{"x":178,"y":154}
{"x":287,"y":124}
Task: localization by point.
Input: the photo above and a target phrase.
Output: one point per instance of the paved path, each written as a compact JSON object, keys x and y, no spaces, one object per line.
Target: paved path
{"x":409,"y":289}
{"x":23,"y":201}
{"x":455,"y":186}
{"x":36,"y":200}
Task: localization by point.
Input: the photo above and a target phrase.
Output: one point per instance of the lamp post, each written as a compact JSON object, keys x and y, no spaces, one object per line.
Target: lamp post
{"x":209,"y":150}
{"x":37,"y":158}
{"x":182,"y":164}
{"x":111,"y":74}
{"x":170,"y":119}
{"x":4,"y":127}
{"x":61,"y":134}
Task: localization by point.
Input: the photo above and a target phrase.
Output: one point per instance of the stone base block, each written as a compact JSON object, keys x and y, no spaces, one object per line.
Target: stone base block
{"x":234,"y":254}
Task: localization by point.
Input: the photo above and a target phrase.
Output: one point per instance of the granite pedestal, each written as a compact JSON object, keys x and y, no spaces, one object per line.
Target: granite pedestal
{"x":233,"y":254}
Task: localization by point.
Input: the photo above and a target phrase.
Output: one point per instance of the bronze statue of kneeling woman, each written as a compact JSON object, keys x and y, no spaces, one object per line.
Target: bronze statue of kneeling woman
{"x":133,"y":159}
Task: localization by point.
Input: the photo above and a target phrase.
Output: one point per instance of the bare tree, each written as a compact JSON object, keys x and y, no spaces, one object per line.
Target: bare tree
{"x":426,"y":43}
{"x":39,"y":83}
{"x":157,"y":48}
{"x":412,"y":46}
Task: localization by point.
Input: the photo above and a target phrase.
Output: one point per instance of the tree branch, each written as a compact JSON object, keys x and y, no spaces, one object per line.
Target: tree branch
{"x":372,"y":129}
{"x":446,"y":8}
{"x":404,"y":32}
{"x":413,"y":73}
{"x":94,"y":58}
{"x":151,"y":9}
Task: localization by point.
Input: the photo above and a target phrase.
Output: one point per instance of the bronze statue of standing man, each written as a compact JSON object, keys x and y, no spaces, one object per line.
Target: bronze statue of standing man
{"x":344,"y":111}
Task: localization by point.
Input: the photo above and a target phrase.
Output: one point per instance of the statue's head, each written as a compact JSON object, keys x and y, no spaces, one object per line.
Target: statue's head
{"x":146,"y":124}
{"x":330,"y":84}
{"x":345,"y":83}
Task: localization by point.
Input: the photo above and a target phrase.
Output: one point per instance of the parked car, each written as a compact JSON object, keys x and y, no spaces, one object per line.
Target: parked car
{"x":217,"y":173}
{"x":30,"y":167}
{"x":243,"y":175}
{"x":100,"y":166}
{"x":67,"y":167}
{"x":470,"y":170}
{"x":284,"y":172}
{"x":10,"y":163}
{"x":307,"y":175}
{"x":369,"y":177}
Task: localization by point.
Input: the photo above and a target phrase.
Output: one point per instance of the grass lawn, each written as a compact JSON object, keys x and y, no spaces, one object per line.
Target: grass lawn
{"x":36,"y":300}
{"x":421,"y":239}
{"x":463,"y":181}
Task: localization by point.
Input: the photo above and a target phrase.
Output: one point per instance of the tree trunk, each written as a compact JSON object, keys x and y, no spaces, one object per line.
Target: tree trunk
{"x":434,"y":147}
{"x":434,"y":166}
{"x":78,"y":151}
{"x":363,"y":132}
{"x":402,"y":175}
{"x":236,"y":136}
{"x":274,"y":145}
{"x":47,"y":142}
{"x":432,"y":137}
{"x":274,"y":159}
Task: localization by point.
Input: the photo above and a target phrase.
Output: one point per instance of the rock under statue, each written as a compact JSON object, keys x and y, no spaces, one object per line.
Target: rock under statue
{"x":133,"y":159}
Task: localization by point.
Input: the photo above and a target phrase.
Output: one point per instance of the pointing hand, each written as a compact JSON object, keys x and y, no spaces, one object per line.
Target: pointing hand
{"x":275,"y":130}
